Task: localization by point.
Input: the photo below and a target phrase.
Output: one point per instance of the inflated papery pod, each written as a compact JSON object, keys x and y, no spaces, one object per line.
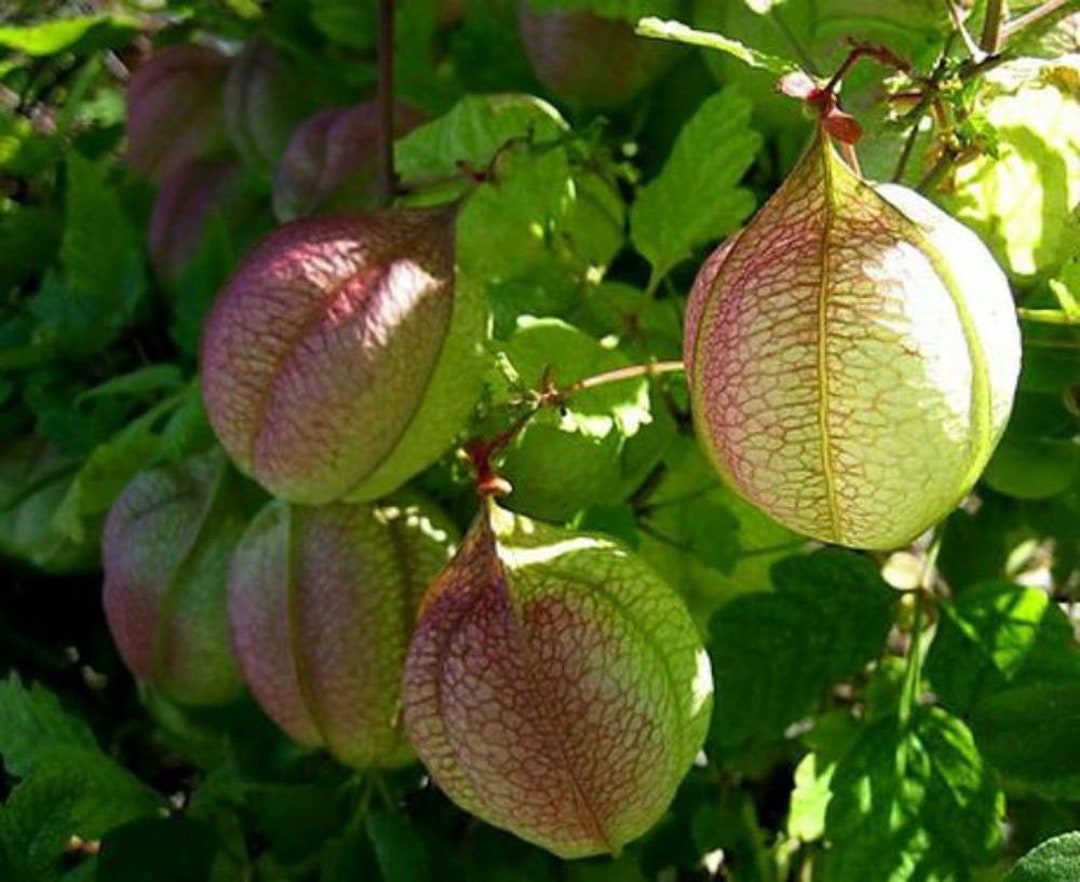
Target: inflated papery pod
{"x":174,"y":108}
{"x":166,"y":549}
{"x":343,"y":356}
{"x":590,"y":61}
{"x":330,"y":162}
{"x":186,"y":201}
{"x":555,"y":686}
{"x":852,"y":357}
{"x":265,"y":97}
{"x":321,"y":603}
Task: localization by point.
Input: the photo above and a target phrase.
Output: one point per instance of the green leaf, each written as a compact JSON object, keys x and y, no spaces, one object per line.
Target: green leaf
{"x":915,"y":802}
{"x":1055,"y":860}
{"x":832,"y":736}
{"x":595,"y":449}
{"x":81,"y":34}
{"x":680,"y":33}
{"x":696,"y":198}
{"x":71,"y":792}
{"x":705,"y":539}
{"x":298,"y":819}
{"x":473,"y":131}
{"x":108,"y":468}
{"x":34,"y":478}
{"x":349,"y":858}
{"x":32,"y":723}
{"x":149,"y":378}
{"x":1029,"y":734}
{"x":775,"y":655}
{"x":1032,"y":227}
{"x":545,"y":223}
{"x":98,"y":251}
{"x":69,"y":322}
{"x":180,"y":849}
{"x":401,"y":853}
{"x":29,"y":236}
{"x":628,"y":10}
{"x":351,"y":24}
{"x":846,"y":593}
{"x":993,"y":634}
{"x":103,"y":274}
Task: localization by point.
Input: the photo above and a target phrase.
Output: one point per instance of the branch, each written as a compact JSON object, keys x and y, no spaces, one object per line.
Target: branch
{"x":1012,"y":28}
{"x":991,"y":35}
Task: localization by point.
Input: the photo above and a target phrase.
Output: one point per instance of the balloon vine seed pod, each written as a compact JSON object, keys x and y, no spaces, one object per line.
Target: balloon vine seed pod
{"x":555,"y":686}
{"x":321,"y":605}
{"x":852,"y":357}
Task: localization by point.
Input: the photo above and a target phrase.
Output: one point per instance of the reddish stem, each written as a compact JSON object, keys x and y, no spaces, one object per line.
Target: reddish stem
{"x":385,"y":98}
{"x":481,"y":451}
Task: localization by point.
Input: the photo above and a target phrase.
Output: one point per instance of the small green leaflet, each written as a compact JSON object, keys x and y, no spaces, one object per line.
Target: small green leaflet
{"x":680,"y":33}
{"x":81,"y":34}
{"x":147,"y":379}
{"x":594,"y":449}
{"x":473,"y":131}
{"x":71,"y":791}
{"x":832,"y":736}
{"x":401,"y":853}
{"x":1055,"y":860}
{"x":32,"y":722}
{"x":696,"y":198}
{"x":115,"y":462}
{"x":103,"y":277}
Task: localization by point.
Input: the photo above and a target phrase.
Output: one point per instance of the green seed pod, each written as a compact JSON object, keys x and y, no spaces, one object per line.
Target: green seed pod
{"x":166,"y":548}
{"x":852,"y":357}
{"x":321,"y":605}
{"x":555,"y":686}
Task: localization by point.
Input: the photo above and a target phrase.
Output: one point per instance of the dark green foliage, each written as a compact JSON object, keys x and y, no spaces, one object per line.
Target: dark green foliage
{"x":861,"y":732}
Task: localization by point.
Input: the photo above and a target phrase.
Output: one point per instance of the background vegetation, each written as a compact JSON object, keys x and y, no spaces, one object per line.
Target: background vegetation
{"x":877,"y":717}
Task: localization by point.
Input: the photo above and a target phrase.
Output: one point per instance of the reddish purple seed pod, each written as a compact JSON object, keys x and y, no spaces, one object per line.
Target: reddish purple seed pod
{"x":342,"y":358}
{"x":174,"y":110}
{"x":187,"y":199}
{"x":330,"y":163}
{"x":589,"y":61}
{"x":555,"y":686}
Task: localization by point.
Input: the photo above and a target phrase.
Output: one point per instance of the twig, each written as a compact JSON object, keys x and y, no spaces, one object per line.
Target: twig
{"x":909,"y":695}
{"x":626,"y":373}
{"x":991,"y":36}
{"x":385,"y":99}
{"x":1011,"y":28}
{"x":960,"y":28}
{"x":482,"y":451}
